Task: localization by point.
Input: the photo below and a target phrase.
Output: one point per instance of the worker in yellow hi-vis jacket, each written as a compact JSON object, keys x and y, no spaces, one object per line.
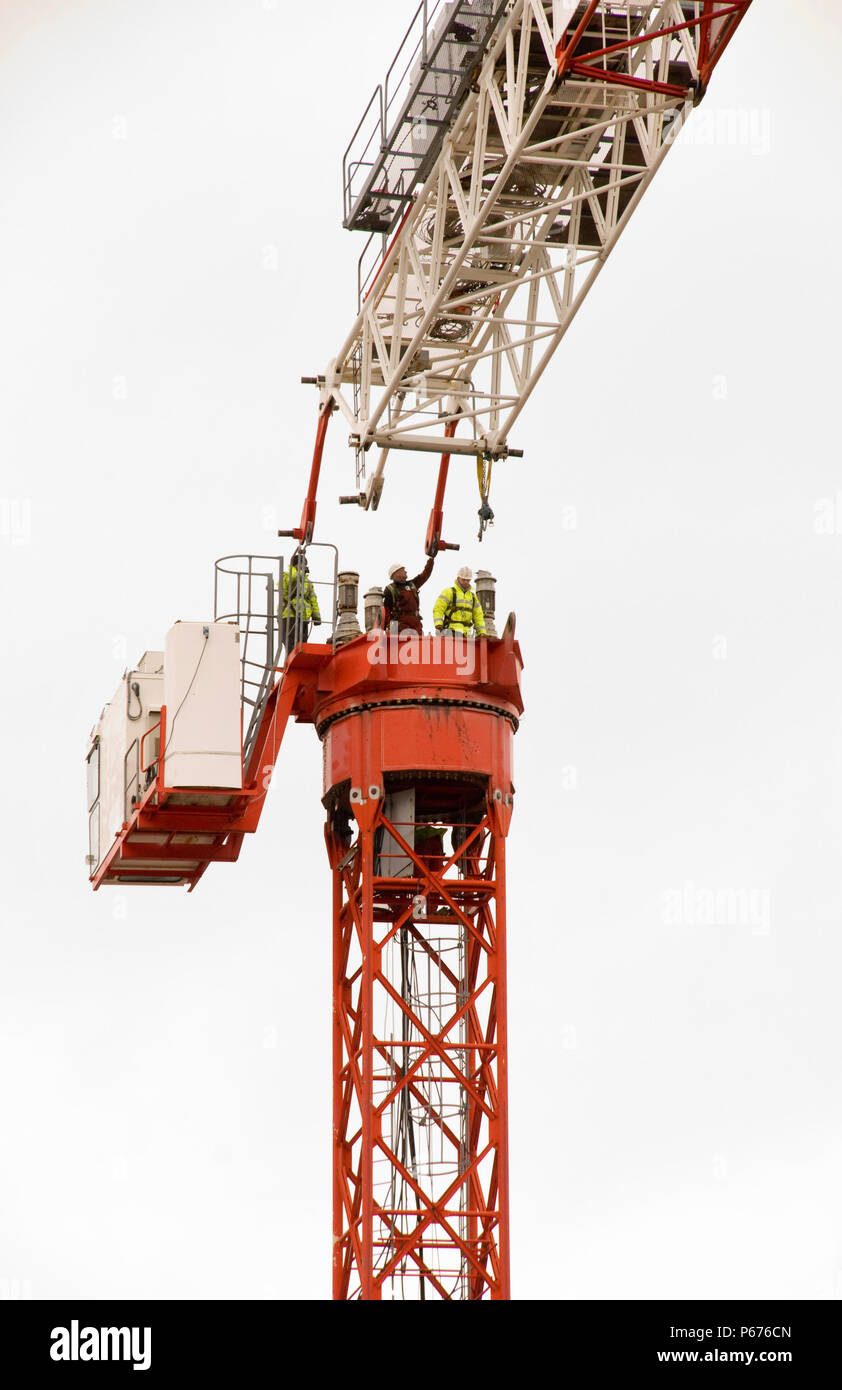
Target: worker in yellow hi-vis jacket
{"x":458,"y":609}
{"x":299,"y":605}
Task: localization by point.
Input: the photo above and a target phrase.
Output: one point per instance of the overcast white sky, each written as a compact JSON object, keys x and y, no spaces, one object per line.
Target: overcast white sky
{"x":171,"y":262}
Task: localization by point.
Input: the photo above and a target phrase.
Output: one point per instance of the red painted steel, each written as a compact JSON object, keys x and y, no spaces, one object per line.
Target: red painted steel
{"x":445,"y":1238}
{"x":433,"y":542}
{"x":719,"y":35}
{"x":406,"y":1224}
{"x":420,"y":1076}
{"x":717,"y":24}
{"x":435,"y":716}
{"x":304,"y":530}
{"x":566,"y":51}
{"x":388,"y":251}
{"x":622,"y":79}
{"x":175,"y":832}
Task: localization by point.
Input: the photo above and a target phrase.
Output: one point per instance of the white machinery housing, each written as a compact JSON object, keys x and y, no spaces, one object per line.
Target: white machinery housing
{"x":203,"y":725}
{"x":115,"y":782}
{"x":196,"y":681}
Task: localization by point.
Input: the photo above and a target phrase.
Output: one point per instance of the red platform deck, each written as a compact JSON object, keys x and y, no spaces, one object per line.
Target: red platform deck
{"x":174,"y":833}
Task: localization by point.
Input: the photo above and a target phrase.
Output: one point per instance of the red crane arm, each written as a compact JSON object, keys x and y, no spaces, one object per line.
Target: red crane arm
{"x":434,"y":543}
{"x":304,"y":530}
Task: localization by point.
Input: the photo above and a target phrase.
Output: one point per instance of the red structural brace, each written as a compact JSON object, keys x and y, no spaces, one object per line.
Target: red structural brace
{"x":717,"y":25}
{"x":418,"y":1232}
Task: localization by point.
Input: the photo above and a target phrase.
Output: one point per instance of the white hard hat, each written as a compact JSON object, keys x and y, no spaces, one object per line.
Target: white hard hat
{"x":393,"y":569}
{"x":465,"y":573}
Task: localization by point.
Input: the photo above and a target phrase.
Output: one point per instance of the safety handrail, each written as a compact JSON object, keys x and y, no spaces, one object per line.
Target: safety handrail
{"x":419,"y":92}
{"x":144,"y":767}
{"x":257,"y":582}
{"x":349,"y":170}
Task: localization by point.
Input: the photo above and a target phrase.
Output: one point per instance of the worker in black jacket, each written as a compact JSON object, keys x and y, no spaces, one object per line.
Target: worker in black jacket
{"x":400,"y":598}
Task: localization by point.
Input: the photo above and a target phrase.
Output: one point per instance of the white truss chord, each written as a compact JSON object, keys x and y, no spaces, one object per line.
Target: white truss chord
{"x":536,"y":165}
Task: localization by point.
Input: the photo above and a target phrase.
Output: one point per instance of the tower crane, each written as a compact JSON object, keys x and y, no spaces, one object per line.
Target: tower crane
{"x":493,"y":172}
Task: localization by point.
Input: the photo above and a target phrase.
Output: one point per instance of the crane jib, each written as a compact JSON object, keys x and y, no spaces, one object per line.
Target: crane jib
{"x":514,"y":142}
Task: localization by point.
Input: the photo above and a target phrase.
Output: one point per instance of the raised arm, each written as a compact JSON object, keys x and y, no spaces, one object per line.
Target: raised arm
{"x":425,"y":574}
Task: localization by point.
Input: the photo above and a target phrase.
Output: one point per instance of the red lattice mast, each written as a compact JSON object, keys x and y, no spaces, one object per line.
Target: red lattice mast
{"x":422,"y":771}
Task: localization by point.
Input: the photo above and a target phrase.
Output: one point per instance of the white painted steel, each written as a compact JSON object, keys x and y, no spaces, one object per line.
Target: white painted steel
{"x":534,"y":184}
{"x":399,"y":808}
{"x":125,"y":720}
{"x":203,"y":732}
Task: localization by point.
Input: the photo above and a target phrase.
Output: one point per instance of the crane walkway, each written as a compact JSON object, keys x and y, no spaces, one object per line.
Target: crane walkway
{"x":402,"y":128}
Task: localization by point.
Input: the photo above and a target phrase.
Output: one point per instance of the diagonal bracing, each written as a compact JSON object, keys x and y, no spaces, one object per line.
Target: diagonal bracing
{"x":418,"y":1112}
{"x":572,"y":110}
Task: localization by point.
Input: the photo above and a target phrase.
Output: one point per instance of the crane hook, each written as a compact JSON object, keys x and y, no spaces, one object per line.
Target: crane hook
{"x":485,"y":514}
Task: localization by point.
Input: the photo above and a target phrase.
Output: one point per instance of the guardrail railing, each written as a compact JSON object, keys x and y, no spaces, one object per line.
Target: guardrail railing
{"x":402,"y":128}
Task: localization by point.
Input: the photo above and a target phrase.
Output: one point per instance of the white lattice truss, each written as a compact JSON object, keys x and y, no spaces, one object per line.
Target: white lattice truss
{"x":535,"y":182}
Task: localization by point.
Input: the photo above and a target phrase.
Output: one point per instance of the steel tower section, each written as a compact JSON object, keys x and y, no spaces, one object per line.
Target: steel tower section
{"x":570,"y":111}
{"x":505,"y":161}
{"x":418,"y":789}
